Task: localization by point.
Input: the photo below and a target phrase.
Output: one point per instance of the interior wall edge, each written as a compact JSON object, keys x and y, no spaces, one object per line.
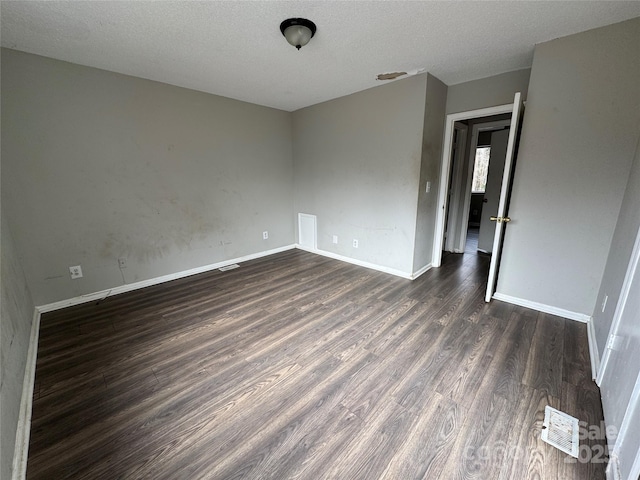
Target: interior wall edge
{"x":421,"y":271}
{"x":21,"y":449}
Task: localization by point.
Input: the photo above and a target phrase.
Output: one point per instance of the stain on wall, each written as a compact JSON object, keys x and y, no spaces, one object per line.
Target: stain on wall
{"x":98,"y":166}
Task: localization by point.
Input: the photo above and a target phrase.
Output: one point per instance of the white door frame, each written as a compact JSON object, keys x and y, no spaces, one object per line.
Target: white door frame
{"x":634,"y":405}
{"x":622,"y":301}
{"x":445,"y":166}
{"x":476,"y":129}
{"x":633,"y":269}
{"x":461,"y":142}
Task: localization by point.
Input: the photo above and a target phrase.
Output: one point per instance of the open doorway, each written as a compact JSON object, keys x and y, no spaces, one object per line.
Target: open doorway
{"x":452,"y":189}
{"x":479,"y":176}
{"x":480,"y":193}
{"x":468,"y":193}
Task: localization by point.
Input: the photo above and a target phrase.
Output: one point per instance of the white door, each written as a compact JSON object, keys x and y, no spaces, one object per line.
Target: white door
{"x":501,"y":218}
{"x":499,"y":142}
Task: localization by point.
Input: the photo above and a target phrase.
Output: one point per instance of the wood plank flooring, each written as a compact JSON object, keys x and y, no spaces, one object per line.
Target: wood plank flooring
{"x":296,"y":366}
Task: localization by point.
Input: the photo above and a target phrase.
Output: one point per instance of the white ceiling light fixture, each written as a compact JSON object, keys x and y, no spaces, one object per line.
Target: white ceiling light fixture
{"x":298,"y":31}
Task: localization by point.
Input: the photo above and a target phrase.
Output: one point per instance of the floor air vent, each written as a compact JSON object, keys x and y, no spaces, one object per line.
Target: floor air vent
{"x":228,"y":267}
{"x":561,"y":431}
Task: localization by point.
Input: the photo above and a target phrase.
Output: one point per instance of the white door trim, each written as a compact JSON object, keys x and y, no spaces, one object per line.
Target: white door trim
{"x":634,"y":400}
{"x":456,"y":185}
{"x":634,"y":403}
{"x":445,"y":166}
{"x":622,"y":301}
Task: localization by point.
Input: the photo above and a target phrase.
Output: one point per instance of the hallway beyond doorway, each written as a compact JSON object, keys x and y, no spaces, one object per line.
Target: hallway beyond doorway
{"x":471,"y":245}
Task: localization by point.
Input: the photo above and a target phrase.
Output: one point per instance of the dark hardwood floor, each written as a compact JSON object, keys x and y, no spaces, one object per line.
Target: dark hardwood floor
{"x":299,"y":366}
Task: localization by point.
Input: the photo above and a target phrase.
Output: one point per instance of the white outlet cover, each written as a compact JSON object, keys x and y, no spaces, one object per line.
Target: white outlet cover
{"x":335,"y":239}
{"x":355,"y":243}
{"x":76,"y":272}
{"x":265,"y":235}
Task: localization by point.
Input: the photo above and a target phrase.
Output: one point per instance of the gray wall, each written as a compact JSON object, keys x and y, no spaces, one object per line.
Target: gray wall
{"x":619,"y":255}
{"x":100,"y":165}
{"x":579,"y":134}
{"x":487,"y":92}
{"x":16,"y":316}
{"x":357,"y":167}
{"x":433,"y":131}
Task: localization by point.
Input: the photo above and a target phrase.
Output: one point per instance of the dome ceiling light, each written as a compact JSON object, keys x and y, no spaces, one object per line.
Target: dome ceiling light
{"x":298,"y":31}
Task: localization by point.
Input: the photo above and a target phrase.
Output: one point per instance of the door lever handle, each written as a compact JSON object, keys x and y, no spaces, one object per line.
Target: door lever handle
{"x":500,"y":219}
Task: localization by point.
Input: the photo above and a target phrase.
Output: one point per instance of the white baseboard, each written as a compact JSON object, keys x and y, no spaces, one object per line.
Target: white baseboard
{"x":360,"y":263}
{"x":541,"y":307}
{"x":21,"y":451}
{"x":594,"y":354}
{"x":424,"y":269}
{"x":154,"y":281}
{"x":24,"y":421}
{"x":90,"y":297}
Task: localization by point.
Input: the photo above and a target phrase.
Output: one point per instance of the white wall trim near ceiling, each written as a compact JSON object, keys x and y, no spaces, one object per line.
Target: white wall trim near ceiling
{"x":541,"y":307}
{"x":21,"y":450}
{"x":91,"y":297}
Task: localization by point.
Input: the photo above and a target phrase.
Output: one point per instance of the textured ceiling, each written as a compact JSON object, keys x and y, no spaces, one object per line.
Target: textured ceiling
{"x":235,"y":48}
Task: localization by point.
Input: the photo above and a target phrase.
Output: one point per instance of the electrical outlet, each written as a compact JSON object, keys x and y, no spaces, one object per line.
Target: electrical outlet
{"x":428,"y":188}
{"x":335,"y":239}
{"x":122,"y":262}
{"x":76,"y":272}
{"x":355,"y":243}
{"x":265,"y":235}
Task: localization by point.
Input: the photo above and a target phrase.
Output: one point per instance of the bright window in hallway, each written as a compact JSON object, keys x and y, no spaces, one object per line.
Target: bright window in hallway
{"x":480,"y":169}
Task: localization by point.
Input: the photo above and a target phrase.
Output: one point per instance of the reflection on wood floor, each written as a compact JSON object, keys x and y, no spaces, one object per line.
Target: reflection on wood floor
{"x":299,"y":366}
{"x":471,"y":246}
